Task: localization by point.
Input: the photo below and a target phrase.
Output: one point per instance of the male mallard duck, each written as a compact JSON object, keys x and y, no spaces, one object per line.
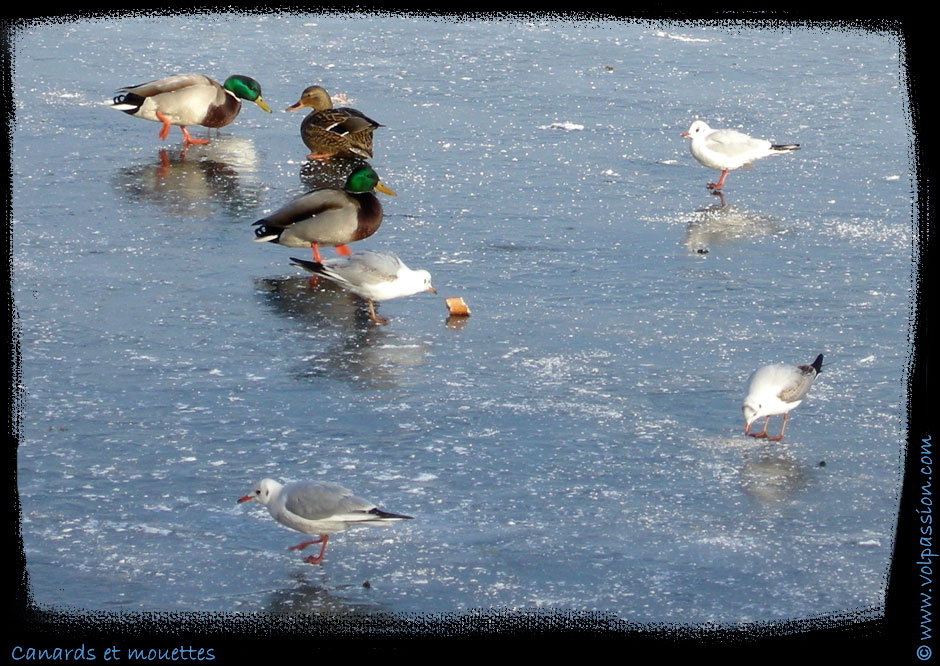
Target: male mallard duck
{"x":329,"y":132}
{"x":328,"y":216}
{"x":189,"y":99}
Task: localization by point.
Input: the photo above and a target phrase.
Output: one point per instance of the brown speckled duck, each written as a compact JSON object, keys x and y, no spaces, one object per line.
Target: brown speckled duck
{"x":329,"y":132}
{"x":189,"y":99}
{"x":328,"y":216}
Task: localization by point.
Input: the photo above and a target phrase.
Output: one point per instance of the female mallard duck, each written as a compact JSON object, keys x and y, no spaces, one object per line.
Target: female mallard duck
{"x":328,"y":132}
{"x":189,"y":99}
{"x":328,"y":216}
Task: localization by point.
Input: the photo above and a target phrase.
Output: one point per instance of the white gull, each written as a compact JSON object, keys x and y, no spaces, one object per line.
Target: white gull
{"x":374,"y":276}
{"x":777,"y":389}
{"x":315,"y":507}
{"x":727,"y":150}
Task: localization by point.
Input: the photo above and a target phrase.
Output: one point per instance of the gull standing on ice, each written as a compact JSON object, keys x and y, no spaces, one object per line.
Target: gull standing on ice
{"x":776,"y":389}
{"x":374,"y":276}
{"x":319,"y":508}
{"x":727,"y":150}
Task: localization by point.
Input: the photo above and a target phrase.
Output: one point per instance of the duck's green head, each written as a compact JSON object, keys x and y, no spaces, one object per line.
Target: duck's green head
{"x":364,"y":179}
{"x":246,"y":87}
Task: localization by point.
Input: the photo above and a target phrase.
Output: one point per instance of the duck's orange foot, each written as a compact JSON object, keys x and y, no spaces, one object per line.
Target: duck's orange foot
{"x":165,"y":130}
{"x":188,"y":139}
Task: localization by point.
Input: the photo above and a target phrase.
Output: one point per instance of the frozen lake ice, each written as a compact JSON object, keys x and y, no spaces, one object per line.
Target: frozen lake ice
{"x":577,"y":442}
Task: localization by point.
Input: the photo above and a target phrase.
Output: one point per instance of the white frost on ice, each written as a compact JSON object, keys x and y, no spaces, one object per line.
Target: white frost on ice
{"x":149,"y":529}
{"x":680,"y":38}
{"x":566,"y":125}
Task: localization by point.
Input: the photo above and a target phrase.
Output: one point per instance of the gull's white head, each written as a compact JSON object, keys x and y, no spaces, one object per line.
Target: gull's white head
{"x":425,"y":278}
{"x":699,"y":128}
{"x":417,"y":280}
{"x":751,"y":413}
{"x":263,"y":491}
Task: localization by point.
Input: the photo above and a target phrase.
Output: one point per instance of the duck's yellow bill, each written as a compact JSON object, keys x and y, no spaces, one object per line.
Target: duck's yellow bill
{"x":384,"y":190}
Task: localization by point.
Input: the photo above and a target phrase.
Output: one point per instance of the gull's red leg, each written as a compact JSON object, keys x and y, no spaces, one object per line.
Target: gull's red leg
{"x":720,"y":183}
{"x":319,"y":558}
{"x":377,"y":319}
{"x":782,"y":428}
{"x":762,"y":433}
{"x":301,"y":546}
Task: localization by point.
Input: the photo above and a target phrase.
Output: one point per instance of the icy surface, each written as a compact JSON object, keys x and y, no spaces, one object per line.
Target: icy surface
{"x":577,"y":442}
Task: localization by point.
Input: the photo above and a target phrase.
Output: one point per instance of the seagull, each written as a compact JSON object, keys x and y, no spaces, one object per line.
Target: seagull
{"x":320,"y":508}
{"x":374,"y":276}
{"x":727,"y":150}
{"x":776,"y":389}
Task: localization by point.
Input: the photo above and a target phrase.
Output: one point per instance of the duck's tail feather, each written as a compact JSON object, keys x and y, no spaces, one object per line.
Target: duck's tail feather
{"x":265,"y":234}
{"x":127,"y":102}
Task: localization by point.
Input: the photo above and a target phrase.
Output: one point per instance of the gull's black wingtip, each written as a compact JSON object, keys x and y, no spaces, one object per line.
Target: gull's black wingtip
{"x":312,"y":266}
{"x":389,"y":516}
{"x":817,"y":364}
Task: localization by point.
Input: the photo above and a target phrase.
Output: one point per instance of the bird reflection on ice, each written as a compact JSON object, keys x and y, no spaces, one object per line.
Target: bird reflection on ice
{"x":720,"y":223}
{"x":342,"y":343}
{"x":772,"y":478}
{"x":196,"y":182}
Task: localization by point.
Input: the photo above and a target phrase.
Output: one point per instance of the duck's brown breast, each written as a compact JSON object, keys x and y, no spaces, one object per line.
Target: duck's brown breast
{"x":220,"y":115}
{"x":370,"y":215}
